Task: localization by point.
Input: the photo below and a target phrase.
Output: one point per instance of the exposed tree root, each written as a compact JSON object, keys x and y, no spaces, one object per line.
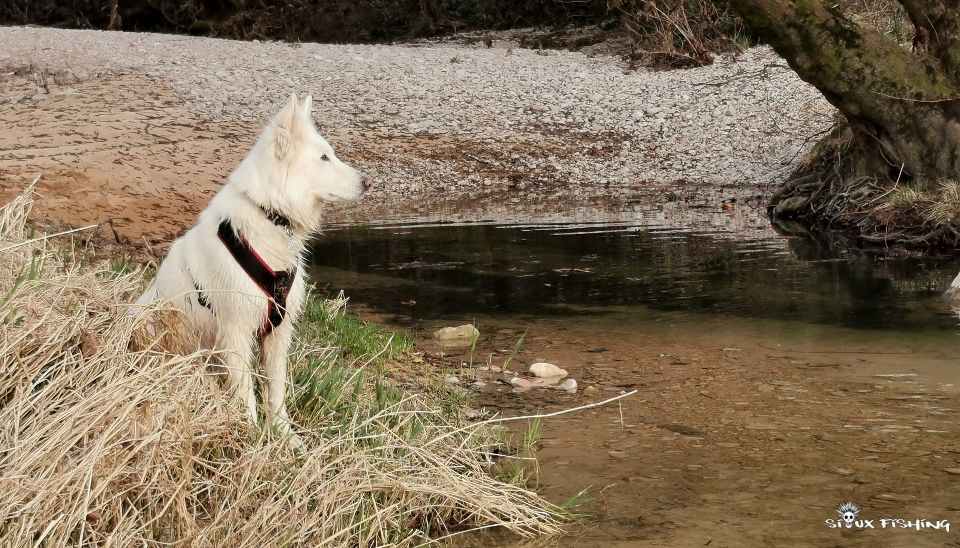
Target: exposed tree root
{"x":828,"y":194}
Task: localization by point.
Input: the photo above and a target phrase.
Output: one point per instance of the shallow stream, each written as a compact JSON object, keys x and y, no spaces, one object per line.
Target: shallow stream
{"x":775,"y":375}
{"x":637,"y":267}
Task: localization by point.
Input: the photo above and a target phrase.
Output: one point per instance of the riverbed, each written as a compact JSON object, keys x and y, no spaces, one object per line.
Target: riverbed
{"x":775,"y":377}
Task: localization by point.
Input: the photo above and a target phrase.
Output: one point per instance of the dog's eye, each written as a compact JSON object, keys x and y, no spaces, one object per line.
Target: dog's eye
{"x":325,"y":158}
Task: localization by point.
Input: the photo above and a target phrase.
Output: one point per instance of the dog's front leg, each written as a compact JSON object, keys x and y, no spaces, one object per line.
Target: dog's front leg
{"x":236,"y":359}
{"x":273,"y":357}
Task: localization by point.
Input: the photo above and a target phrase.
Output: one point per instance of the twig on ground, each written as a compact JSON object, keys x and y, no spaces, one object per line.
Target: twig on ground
{"x":564,"y":411}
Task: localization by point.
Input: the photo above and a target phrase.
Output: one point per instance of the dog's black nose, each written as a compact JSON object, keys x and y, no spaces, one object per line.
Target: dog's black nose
{"x":367,"y":182}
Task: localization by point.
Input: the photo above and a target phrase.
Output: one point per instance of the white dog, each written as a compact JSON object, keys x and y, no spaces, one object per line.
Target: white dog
{"x":238,"y":275}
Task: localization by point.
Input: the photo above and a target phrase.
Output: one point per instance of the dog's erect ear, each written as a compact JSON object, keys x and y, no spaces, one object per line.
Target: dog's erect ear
{"x":307,"y":108}
{"x":286,"y":119}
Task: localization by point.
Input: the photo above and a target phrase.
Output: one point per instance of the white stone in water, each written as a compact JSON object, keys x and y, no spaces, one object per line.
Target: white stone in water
{"x":543,"y":369}
{"x":547,"y":381}
{"x":522,"y":384}
{"x":570,"y":385}
{"x":464,"y":334}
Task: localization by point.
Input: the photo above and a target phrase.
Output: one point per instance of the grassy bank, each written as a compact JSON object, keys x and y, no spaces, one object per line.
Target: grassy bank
{"x":111,"y":439}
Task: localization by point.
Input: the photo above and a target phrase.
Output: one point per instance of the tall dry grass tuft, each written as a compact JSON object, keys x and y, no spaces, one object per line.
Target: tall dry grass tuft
{"x":108,"y":444}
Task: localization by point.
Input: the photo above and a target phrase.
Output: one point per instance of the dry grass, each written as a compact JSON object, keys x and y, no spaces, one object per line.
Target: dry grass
{"x":903,"y":196}
{"x":102,"y":445}
{"x":680,"y":33}
{"x":932,"y":205}
{"x":945,"y":207}
{"x":886,"y":17}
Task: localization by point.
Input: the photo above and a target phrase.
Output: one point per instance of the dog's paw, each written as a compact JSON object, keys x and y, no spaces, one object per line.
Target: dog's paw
{"x":284,"y":431}
{"x":296,"y":443}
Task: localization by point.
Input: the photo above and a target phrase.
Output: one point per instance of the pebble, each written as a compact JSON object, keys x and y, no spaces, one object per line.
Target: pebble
{"x":522,"y":384}
{"x":570,"y":385}
{"x":471,"y":413}
{"x":954,"y":471}
{"x":453,"y":380}
{"x":543,"y":369}
{"x":464,"y":334}
{"x":897,"y":497}
{"x":547,"y":381}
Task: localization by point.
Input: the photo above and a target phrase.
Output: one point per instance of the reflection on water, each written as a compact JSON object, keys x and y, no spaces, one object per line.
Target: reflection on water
{"x":459,"y":270}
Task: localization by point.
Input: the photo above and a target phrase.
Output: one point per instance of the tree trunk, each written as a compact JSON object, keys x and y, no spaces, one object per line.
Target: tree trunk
{"x":902,"y":105}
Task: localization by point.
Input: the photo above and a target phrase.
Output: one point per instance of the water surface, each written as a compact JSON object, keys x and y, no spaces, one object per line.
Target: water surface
{"x":583,"y":269}
{"x":719,"y":323}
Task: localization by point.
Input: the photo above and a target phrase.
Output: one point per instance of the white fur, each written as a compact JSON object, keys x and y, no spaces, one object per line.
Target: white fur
{"x":293,"y":171}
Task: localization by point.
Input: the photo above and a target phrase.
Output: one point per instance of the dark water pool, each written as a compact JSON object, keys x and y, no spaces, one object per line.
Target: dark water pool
{"x":435,"y":271}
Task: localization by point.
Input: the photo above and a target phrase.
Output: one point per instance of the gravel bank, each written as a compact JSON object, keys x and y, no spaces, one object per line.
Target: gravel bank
{"x":505,"y":116}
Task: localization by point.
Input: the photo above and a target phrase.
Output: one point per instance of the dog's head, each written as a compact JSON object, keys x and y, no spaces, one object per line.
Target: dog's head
{"x":296,"y":169}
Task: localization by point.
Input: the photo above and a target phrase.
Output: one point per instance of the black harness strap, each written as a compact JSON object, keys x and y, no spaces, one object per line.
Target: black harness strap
{"x":275,"y":284}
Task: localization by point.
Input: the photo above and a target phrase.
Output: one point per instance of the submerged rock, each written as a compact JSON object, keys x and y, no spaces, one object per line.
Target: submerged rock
{"x":521,"y":384}
{"x":547,"y":381}
{"x":570,"y":385}
{"x":462,"y":335}
{"x":544,"y":369}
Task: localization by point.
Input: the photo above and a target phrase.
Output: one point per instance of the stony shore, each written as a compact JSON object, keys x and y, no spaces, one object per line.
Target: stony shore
{"x":433,"y":119}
